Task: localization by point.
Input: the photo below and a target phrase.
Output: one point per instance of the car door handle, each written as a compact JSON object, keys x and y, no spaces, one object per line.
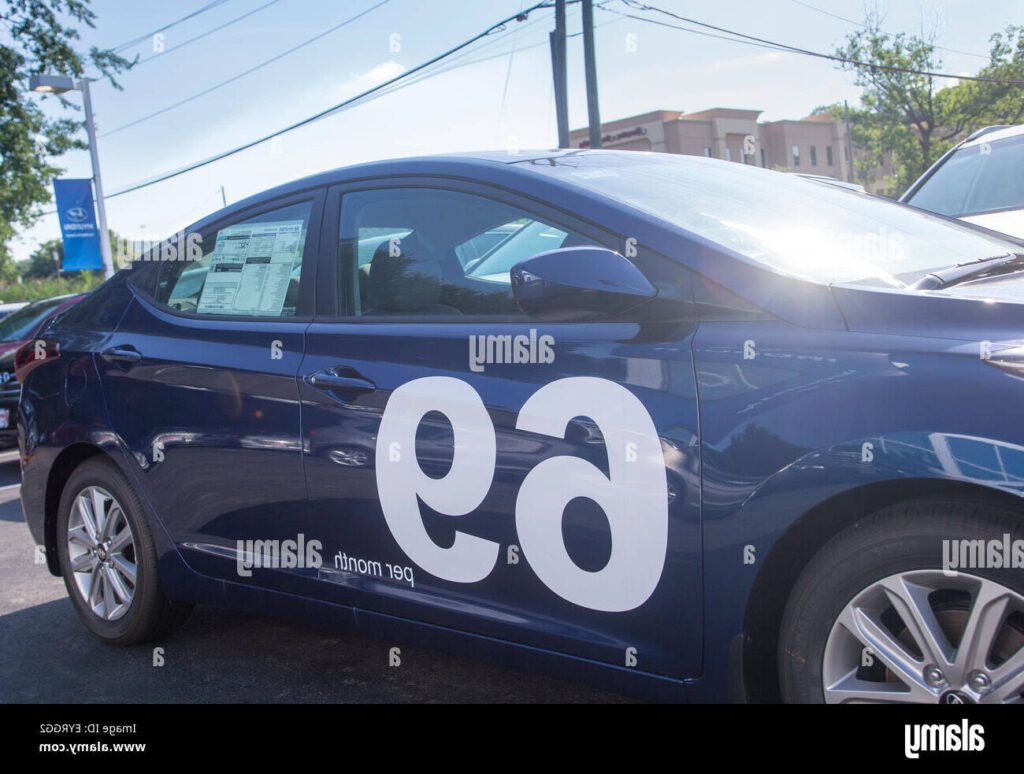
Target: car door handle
{"x":329,"y":379}
{"x":126,"y":354}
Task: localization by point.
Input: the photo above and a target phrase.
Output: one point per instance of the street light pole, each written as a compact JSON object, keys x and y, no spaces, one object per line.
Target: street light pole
{"x":60,"y":84}
{"x":101,"y":209}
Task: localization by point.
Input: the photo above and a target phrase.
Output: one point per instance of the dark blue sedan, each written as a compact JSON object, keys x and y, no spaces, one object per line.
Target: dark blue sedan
{"x":676,"y":426}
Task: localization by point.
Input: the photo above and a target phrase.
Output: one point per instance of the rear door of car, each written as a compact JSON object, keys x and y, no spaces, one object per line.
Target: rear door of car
{"x":478,"y":470}
{"x":200,"y":384}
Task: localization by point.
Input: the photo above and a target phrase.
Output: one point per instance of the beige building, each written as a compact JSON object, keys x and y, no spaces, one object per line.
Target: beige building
{"x":815,"y":145}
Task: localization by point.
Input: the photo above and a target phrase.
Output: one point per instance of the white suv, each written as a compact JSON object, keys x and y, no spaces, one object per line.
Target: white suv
{"x":981,"y":181}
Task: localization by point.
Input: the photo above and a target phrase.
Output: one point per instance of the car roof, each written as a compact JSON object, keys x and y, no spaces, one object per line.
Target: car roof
{"x":464,"y":162}
{"x":982,"y":137}
{"x":412,"y":164}
{"x":55,"y":298}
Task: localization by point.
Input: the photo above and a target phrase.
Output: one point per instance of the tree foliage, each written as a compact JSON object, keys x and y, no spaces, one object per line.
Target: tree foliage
{"x":912,"y":117}
{"x":41,"y":36}
{"x":41,"y":264}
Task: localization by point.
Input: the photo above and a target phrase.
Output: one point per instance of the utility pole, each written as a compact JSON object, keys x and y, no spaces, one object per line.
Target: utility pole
{"x":849,"y":142}
{"x":590,"y":68}
{"x":559,"y":67}
{"x":223,"y":197}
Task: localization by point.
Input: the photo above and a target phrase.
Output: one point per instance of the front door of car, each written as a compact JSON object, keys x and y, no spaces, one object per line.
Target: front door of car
{"x":200,"y":385}
{"x":475,"y":469}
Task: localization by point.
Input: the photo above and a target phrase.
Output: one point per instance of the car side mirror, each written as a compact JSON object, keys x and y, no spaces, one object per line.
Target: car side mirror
{"x":579,"y":283}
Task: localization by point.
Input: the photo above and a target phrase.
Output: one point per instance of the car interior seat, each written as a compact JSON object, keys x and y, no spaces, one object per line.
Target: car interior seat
{"x":407,"y":283}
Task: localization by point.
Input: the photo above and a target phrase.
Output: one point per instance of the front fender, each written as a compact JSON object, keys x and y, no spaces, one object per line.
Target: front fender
{"x":794,"y":418}
{"x":892,"y":457}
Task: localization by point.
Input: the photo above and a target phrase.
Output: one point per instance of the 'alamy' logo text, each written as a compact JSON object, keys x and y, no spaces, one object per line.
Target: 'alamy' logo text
{"x":498,"y":350}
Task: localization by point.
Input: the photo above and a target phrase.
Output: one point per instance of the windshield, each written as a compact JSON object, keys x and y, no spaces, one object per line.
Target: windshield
{"x":819,"y":232}
{"x":982,"y":178}
{"x":20,"y":325}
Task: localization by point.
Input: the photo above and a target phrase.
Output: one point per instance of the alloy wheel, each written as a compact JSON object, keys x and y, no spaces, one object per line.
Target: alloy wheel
{"x":928,"y":637}
{"x":101,"y":552}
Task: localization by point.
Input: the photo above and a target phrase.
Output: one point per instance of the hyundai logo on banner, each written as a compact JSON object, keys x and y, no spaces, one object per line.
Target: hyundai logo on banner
{"x":77,"y":214}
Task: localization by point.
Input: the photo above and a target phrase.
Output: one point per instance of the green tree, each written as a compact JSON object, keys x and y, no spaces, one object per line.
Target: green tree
{"x":971,"y":105}
{"x":41,"y":264}
{"x":917,"y":117}
{"x":43,"y":38}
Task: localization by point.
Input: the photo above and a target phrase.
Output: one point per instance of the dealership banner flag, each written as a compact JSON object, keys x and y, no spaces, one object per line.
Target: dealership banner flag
{"x":77,"y":213}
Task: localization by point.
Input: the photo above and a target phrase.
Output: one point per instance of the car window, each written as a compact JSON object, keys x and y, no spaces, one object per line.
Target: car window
{"x":435,"y":253}
{"x":977,"y":179}
{"x":251,"y":268}
{"x":531,"y":238}
{"x":472,"y":250}
{"x":20,"y":324}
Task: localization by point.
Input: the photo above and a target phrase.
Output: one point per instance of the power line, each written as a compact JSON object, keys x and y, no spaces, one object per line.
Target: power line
{"x":508,"y":74}
{"x":135,"y":41}
{"x":829,"y":13}
{"x":497,"y":27}
{"x":455,"y":62}
{"x":209,"y":32}
{"x":460,"y":61}
{"x":701,"y":33}
{"x":244,"y":73}
{"x":739,"y":37}
{"x":862,"y":25}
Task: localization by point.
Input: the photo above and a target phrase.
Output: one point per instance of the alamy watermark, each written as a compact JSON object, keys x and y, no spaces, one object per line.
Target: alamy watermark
{"x":942,"y":737}
{"x":278,"y":554}
{"x":499,"y":350}
{"x":183,"y":246}
{"x":995,"y":554}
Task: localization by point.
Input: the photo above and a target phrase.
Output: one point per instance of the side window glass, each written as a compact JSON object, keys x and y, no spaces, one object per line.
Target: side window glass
{"x":435,"y":253}
{"x":529,"y":238}
{"x":251,"y":268}
{"x":472,"y":250}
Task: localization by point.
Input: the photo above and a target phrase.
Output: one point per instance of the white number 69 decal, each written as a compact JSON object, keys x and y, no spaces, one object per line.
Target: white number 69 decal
{"x":634,"y":496}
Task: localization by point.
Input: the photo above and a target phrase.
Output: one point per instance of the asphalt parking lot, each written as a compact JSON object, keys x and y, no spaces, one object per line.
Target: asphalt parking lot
{"x":218,"y":655}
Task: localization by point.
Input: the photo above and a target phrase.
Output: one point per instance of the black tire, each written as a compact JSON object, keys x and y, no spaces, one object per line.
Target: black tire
{"x":151,"y":614}
{"x":897,"y":539}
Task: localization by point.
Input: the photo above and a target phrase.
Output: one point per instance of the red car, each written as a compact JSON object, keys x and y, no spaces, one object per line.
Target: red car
{"x":15,"y":330}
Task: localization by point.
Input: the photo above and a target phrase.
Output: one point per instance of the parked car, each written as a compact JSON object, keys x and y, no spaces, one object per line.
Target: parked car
{"x":730,"y":434}
{"x":981,"y":181}
{"x":11,"y":308}
{"x":15,"y":329}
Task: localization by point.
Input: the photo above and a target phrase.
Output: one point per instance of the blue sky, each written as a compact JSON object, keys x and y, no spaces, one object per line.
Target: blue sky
{"x":501,"y":97}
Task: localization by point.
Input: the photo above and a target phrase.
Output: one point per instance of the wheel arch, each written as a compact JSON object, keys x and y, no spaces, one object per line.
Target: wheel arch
{"x":805,"y":537}
{"x":63,"y":466}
